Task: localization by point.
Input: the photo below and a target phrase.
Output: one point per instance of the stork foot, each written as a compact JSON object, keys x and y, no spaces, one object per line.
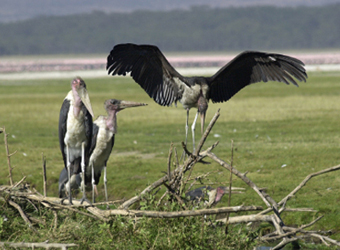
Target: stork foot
{"x":84,"y":199}
{"x":69,"y":200}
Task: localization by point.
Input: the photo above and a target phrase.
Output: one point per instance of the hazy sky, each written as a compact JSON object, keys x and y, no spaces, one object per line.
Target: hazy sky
{"x":13,"y":10}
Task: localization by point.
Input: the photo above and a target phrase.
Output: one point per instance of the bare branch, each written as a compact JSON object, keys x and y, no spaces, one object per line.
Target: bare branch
{"x":169,"y":161}
{"x":251,"y":184}
{"x":157,"y":214}
{"x":207,"y":131}
{"x":17,"y":184}
{"x":8,"y":156}
{"x":44,"y":174}
{"x":40,"y":245}
{"x":23,"y":215}
{"x":230,"y":183}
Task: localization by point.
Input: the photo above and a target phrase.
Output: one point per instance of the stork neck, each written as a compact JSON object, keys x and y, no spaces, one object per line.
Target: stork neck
{"x":111,"y":121}
{"x":76,"y":102}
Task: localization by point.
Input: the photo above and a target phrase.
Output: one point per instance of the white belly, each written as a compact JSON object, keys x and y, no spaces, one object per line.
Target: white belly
{"x":75,"y":134}
{"x":103,"y":147}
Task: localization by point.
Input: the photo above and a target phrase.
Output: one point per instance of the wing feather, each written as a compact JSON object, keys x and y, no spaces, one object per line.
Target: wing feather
{"x":63,"y":127}
{"x":251,"y":67}
{"x":150,"y":69}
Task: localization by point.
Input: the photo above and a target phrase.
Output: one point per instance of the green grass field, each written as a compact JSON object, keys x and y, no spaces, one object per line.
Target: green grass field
{"x":281,"y":134}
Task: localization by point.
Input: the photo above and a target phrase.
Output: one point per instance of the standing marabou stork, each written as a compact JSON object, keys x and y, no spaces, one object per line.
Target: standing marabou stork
{"x":75,"y":133}
{"x":151,"y":70}
{"x":104,"y":130}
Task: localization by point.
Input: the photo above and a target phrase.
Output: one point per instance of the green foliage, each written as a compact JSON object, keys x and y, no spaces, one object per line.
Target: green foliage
{"x":127,"y":233}
{"x":198,"y":29}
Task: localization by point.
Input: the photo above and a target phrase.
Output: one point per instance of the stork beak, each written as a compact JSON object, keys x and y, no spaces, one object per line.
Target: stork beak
{"x":202,"y":121}
{"x":128,"y":104}
{"x":84,"y":96}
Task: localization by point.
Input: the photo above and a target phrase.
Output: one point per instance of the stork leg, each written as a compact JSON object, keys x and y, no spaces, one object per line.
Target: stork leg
{"x":186,"y":133}
{"x":83,"y":173}
{"x":68,"y":165}
{"x":187,"y":127}
{"x":105,"y":186}
{"x":193,"y":126}
{"x":93,"y":185}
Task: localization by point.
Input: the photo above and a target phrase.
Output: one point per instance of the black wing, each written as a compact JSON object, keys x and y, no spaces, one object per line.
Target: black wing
{"x":251,"y":67}
{"x":94,"y":137}
{"x":88,"y":133}
{"x":63,"y":126}
{"x":112,"y":144}
{"x":150,"y":69}
{"x":198,"y":193}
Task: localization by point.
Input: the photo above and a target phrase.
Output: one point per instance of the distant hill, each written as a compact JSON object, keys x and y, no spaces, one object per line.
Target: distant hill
{"x":197,"y":29}
{"x":14,"y":10}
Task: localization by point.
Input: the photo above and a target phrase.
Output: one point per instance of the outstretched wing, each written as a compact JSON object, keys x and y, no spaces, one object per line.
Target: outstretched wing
{"x":251,"y":67}
{"x":150,"y":69}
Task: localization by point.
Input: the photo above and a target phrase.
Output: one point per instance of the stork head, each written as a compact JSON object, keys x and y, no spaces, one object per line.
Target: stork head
{"x":118,"y":105}
{"x":79,"y":86}
{"x":220,"y":191}
{"x":202,"y":106}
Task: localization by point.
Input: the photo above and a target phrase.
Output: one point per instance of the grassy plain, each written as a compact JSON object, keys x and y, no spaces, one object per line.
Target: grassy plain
{"x":280,"y":133}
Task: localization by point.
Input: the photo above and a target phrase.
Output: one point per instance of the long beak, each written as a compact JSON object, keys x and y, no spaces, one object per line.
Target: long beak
{"x":128,"y":104}
{"x":202,"y":121}
{"x":84,"y":96}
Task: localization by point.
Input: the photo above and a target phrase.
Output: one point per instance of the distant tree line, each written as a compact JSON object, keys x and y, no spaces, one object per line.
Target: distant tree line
{"x":197,"y":29}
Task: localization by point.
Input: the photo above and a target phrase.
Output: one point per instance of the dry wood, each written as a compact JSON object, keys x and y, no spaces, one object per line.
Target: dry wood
{"x":162,"y":180}
{"x":243,"y":177}
{"x":23,"y":215}
{"x":169,"y":162}
{"x":45,"y":245}
{"x":230,"y":184}
{"x":207,"y":131}
{"x":301,"y":185}
{"x":158,"y":214}
{"x":10,"y":168}
{"x":44,"y":174}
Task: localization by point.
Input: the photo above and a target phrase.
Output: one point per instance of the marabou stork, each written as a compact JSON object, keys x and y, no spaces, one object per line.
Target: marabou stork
{"x":151,"y":70}
{"x":214,"y":194}
{"x":104,"y":130}
{"x":75,"y":133}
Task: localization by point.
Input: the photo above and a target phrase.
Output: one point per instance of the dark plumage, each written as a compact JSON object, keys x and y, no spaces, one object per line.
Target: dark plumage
{"x":151,"y":70}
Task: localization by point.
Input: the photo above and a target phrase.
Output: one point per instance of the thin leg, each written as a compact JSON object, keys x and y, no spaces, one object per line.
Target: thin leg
{"x":186,"y":133}
{"x":93,"y":185}
{"x":187,"y":127}
{"x":69,"y":175}
{"x":193,"y":126}
{"x":105,"y":186}
{"x":83,"y":173}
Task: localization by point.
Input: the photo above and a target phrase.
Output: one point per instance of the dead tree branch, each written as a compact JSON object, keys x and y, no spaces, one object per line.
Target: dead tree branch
{"x":23,"y":215}
{"x":45,"y":245}
{"x":44,"y":174}
{"x":10,"y":168}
